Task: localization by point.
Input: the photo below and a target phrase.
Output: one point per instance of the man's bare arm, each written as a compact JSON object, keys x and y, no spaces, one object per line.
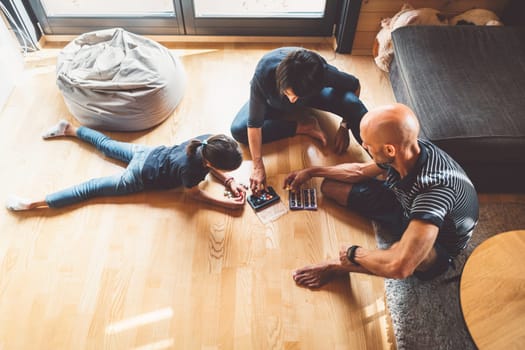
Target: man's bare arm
{"x":347,"y":172}
{"x":402,"y":258}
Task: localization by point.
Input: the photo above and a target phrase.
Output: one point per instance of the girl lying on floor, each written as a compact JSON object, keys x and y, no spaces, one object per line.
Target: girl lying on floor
{"x":148,"y":168}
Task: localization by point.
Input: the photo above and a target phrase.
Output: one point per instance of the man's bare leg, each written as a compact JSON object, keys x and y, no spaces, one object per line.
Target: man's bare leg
{"x":310,"y":126}
{"x":336,"y":190}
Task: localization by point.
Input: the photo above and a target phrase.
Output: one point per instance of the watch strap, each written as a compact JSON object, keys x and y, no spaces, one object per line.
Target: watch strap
{"x":350,"y":254}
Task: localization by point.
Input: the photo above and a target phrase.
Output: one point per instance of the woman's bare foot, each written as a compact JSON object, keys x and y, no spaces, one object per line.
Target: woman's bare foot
{"x":316,"y":276}
{"x":310,"y":126}
{"x":61,"y":129}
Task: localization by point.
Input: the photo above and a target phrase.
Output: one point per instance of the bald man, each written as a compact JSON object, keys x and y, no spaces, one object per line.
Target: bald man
{"x":412,"y":187}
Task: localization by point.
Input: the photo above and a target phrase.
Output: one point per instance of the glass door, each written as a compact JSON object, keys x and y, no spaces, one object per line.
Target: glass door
{"x":153,"y":17}
{"x":260,"y":17}
{"x":195,"y":17}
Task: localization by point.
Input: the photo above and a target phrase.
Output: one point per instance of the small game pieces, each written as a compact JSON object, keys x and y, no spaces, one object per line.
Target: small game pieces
{"x":264,"y":198}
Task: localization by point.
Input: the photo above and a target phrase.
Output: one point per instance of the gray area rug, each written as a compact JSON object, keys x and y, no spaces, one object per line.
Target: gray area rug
{"x":427,"y":315}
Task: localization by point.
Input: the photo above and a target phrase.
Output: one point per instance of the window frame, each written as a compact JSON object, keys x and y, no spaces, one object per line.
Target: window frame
{"x":169,"y":24}
{"x":260,"y":26}
{"x":184,"y":22}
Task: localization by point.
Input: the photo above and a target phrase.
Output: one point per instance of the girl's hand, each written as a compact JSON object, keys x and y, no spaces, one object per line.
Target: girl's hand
{"x":237,"y":189}
{"x":236,"y":202}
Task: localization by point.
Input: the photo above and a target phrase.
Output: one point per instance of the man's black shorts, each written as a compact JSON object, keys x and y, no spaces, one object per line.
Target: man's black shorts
{"x":375,"y":201}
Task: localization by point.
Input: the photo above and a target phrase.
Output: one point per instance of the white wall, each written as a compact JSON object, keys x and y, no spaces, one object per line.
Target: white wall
{"x":11,"y":62}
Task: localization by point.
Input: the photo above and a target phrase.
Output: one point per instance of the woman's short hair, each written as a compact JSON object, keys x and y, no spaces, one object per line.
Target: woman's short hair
{"x":302,"y":71}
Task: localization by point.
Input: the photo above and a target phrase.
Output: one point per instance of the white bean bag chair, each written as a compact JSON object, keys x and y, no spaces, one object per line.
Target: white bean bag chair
{"x":115,"y":80}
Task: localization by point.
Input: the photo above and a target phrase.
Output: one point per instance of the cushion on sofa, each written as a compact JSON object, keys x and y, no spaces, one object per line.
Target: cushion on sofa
{"x":467,"y":86}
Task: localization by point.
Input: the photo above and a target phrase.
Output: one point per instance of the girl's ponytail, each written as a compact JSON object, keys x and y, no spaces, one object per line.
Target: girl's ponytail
{"x":191,"y":149}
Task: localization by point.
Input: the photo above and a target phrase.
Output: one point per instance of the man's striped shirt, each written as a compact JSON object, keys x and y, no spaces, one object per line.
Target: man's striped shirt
{"x":438,"y":190}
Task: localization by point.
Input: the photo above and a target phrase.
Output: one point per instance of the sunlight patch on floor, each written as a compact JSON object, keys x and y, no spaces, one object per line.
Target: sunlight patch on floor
{"x":141,"y":320}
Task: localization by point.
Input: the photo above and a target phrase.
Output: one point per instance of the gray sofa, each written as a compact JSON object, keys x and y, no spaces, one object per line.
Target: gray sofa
{"x":467,"y":86}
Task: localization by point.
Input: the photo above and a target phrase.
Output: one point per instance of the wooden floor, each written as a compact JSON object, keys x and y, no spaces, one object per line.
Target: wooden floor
{"x":157,"y":270}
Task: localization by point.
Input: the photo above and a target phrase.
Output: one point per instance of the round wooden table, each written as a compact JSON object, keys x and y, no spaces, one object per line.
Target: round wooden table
{"x":492,"y":292}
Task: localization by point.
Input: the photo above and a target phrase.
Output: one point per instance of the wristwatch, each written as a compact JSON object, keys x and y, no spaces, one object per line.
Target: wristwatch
{"x":350,"y":254}
{"x":343,"y":125}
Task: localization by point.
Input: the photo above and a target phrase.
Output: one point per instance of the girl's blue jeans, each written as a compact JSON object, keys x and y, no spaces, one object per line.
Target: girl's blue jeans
{"x":129,"y":181}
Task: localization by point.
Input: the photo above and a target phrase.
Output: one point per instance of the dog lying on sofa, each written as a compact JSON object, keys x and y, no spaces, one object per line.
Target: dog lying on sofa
{"x":478,"y":17}
{"x":383,"y":50}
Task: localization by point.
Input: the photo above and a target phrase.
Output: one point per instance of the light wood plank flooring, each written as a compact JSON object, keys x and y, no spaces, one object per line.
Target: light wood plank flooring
{"x":157,"y":270}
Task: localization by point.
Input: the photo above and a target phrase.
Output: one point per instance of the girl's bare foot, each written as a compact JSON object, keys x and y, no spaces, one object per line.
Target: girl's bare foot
{"x":310,"y":126}
{"x":59,"y":129}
